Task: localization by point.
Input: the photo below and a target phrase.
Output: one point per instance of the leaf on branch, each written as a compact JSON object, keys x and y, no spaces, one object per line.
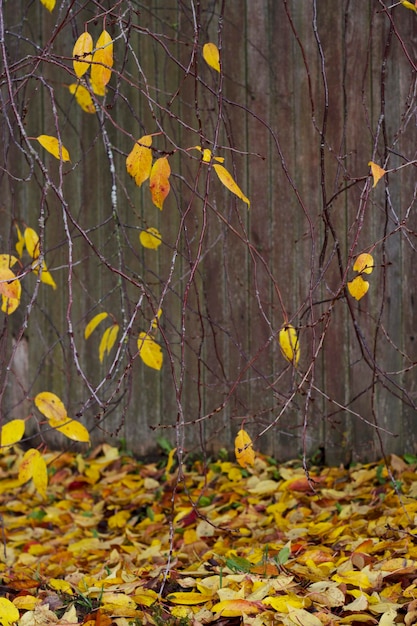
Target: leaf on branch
{"x":46,"y":276}
{"x":82,"y":50}
{"x":83,"y":97}
{"x":289,"y":344}
{"x":7,"y":261}
{"x":72,"y":429}
{"x":93,"y":323}
{"x":8,"y":612}
{"x":358,"y":287}
{"x":364,"y":264}
{"x":101,"y":64}
{"x":211,"y":56}
{"x":33,"y":466}
{"x":155,"y":320}
{"x":228,"y":182}
{"x":376,"y":171}
{"x":409,"y":5}
{"x":51,"y":406}
{"x":139,"y":160}
{"x":49,"y":4}
{"x":32,"y":242}
{"x":108,"y":340}
{"x":51,"y":144}
{"x":245,"y":454}
{"x":150,"y":238}
{"x":159,"y":183}
{"x":11,"y":433}
{"x":149,"y":351}
{"x":20,"y":242}
{"x":207,"y":155}
{"x":9,"y":285}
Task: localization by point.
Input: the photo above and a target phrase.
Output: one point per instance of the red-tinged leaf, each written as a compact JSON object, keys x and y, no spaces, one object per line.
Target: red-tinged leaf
{"x":108,"y":340}
{"x":234,"y":608}
{"x":149,"y":351}
{"x":82,"y":54}
{"x":150,"y":238}
{"x":245,"y":454}
{"x":51,"y":406}
{"x":93,"y":323}
{"x":72,"y":429}
{"x":211,"y":56}
{"x":31,"y":238}
{"x":101,"y":64}
{"x":364,"y":264}
{"x":358,"y":287}
{"x":159,"y":183}
{"x":9,"y":614}
{"x":229,"y":183}
{"x":83,"y":97}
{"x":9,"y":286}
{"x":49,"y":4}
{"x":12,"y":433}
{"x":376,"y":171}
{"x":139,"y":160}
{"x":52,"y":145}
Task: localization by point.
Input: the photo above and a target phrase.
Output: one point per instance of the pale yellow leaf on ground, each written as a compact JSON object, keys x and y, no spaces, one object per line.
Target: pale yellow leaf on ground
{"x":49,"y":4}
{"x":229,"y":183}
{"x":51,"y":144}
{"x":358,"y":287}
{"x":26,"y":603}
{"x":139,"y":160}
{"x":50,"y":406}
{"x":188,"y":598}
{"x":101,"y":64}
{"x":364,"y":264}
{"x":149,"y":351}
{"x":8,"y":612}
{"x":301,"y":616}
{"x":93,"y":323}
{"x":82,"y":50}
{"x":376,"y":171}
{"x":245,"y":454}
{"x":284,"y":603}
{"x":12,"y":432}
{"x":158,"y":182}
{"x":289,"y":344}
{"x":72,"y":429}
{"x":108,"y":340}
{"x":211,"y":56}
{"x":146,"y":597}
{"x":83,"y":97}
{"x":150,"y":238}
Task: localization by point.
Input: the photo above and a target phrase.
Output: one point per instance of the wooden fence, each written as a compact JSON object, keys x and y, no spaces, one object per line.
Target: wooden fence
{"x":309,"y":93}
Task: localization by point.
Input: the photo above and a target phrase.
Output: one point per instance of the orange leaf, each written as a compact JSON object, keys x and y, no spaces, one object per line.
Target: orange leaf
{"x":51,"y":406}
{"x":211,"y":56}
{"x":159,"y":183}
{"x":102,"y":63}
{"x":358,"y":287}
{"x":377,"y":172}
{"x":235,"y":608}
{"x":228,"y":182}
{"x":82,"y":50}
{"x":139,"y":160}
{"x":245,"y":454}
{"x":9,"y":285}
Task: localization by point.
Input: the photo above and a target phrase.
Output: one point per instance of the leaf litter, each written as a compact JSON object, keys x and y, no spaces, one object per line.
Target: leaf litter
{"x":117,"y":541}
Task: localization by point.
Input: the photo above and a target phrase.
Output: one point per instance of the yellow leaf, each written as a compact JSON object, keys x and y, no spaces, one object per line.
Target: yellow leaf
{"x":82,"y":50}
{"x":139,"y":160}
{"x":12,"y":432}
{"x":20,"y":242}
{"x":150,"y":238}
{"x":156,"y":318}
{"x":49,"y":4}
{"x":60,"y":585}
{"x":32,"y":242}
{"x":358,"y":287}
{"x":282,"y":604}
{"x":7,"y":261}
{"x":207,"y":155}
{"x":229,"y":183}
{"x":188,"y":598}
{"x":83,"y":97}
{"x":72,"y":429}
{"x":8,"y":612}
{"x":50,"y":406}
{"x":364,"y":264}
{"x":377,"y":172}
{"x":101,"y":64}
{"x":93,"y":323}
{"x":10,"y":286}
{"x":46,"y":276}
{"x":145,"y":597}
{"x":289,"y":344}
{"x":108,"y":340}
{"x":409,"y":5}
{"x":51,"y":144}
{"x":171,"y":460}
{"x":9,"y":305}
{"x":149,"y":351}
{"x":211,"y":56}
{"x":245,"y":454}
{"x":40,"y":474}
{"x":235,"y":608}
{"x":159,"y":183}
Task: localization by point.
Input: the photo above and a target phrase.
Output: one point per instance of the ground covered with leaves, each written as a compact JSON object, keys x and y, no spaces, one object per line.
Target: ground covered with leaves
{"x":121,"y":542}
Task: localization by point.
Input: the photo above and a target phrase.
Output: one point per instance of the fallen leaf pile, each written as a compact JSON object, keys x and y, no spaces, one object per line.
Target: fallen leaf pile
{"x":120,"y":542}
